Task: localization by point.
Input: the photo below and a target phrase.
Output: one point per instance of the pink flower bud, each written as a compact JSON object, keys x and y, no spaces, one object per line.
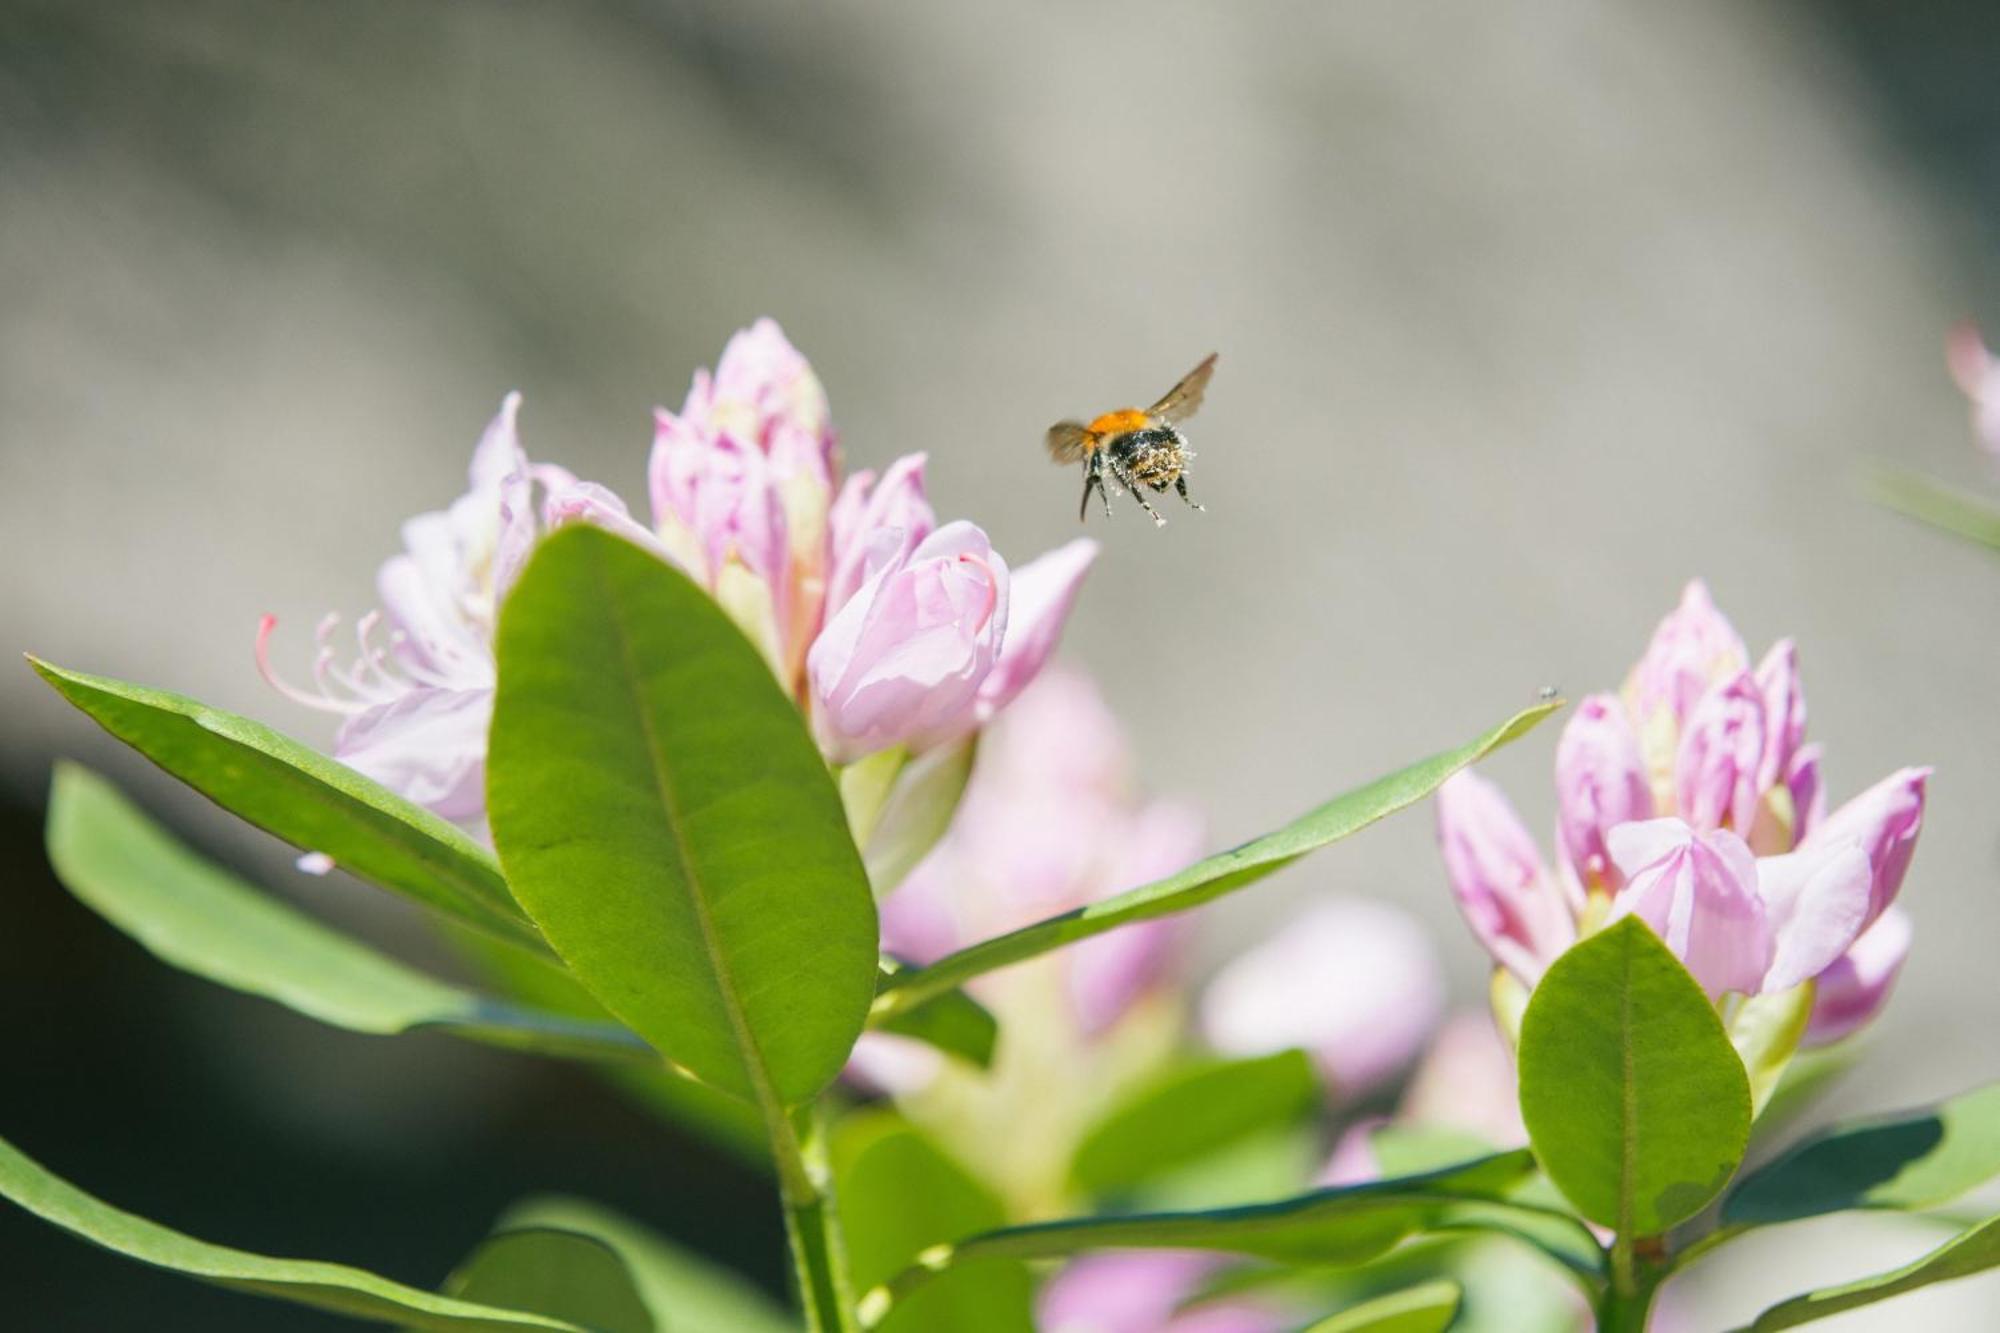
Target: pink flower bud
{"x":1884,"y":821}
{"x":1693,"y":648}
{"x":1784,"y":713}
{"x":1600,"y":783}
{"x":1816,"y":902}
{"x":1721,"y":748}
{"x":1043,"y":592}
{"x":1505,"y":892}
{"x":902,"y":662}
{"x":1355,"y":983}
{"x":1850,"y":993}
{"x":865,"y":508}
{"x":1808,"y":795}
{"x":1698,"y":891}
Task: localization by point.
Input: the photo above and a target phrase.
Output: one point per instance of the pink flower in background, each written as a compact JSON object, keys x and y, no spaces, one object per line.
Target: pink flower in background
{"x":1694,"y":801}
{"x":1048,"y":823}
{"x":1143,"y":1292}
{"x":906,"y":625}
{"x":1353,"y":982}
{"x":1978,"y":374}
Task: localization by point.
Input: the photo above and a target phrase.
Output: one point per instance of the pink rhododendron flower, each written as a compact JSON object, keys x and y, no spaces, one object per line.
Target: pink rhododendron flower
{"x":1851,"y":992}
{"x":1694,"y":801}
{"x":1977,"y":371}
{"x":1354,"y":983}
{"x":418,"y":696}
{"x":907,"y":624}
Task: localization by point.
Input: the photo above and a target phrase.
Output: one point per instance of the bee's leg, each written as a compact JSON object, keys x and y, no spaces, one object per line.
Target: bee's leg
{"x":1180,"y":484}
{"x":1140,"y":496}
{"x":1093,"y":475}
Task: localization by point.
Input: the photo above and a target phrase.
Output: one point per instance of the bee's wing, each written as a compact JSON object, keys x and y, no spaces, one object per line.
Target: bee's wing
{"x":1184,"y":399}
{"x":1068,"y":441}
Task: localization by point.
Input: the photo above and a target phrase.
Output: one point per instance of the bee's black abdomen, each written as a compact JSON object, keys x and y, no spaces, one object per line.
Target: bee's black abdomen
{"x":1136,"y":444}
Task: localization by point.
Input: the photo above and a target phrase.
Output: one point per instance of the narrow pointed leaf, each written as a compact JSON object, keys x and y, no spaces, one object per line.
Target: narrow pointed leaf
{"x":1946,"y":508}
{"x":1428,"y":1308}
{"x":668,"y":823}
{"x":1209,"y":879}
{"x":900,"y":1195}
{"x":198,"y":917}
{"x":561,"y":1274}
{"x":1636,"y":1104}
{"x":1347,"y":1225}
{"x":684,"y":1293}
{"x":315,"y":803}
{"x":1974,"y":1251}
{"x":335,"y":1287}
{"x":1190,"y":1113}
{"x":1918,"y":1159}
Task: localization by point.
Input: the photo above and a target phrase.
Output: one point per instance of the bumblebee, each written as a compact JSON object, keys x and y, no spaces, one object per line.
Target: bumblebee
{"x":1138,"y":448}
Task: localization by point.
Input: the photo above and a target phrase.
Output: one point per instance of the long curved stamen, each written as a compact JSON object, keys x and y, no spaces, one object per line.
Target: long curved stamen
{"x":325,"y":703}
{"x":992,"y":589}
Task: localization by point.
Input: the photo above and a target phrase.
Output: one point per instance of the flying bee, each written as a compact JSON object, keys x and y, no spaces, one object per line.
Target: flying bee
{"x":1138,"y":448}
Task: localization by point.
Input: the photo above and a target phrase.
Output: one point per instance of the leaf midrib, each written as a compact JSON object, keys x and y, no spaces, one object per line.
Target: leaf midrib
{"x":732,"y":1007}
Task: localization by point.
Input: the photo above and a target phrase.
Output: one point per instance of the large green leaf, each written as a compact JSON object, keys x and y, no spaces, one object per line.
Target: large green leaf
{"x":325,"y":1286}
{"x":560,"y":1274}
{"x":315,"y":803}
{"x":1190,"y":1113}
{"x":200,"y":918}
{"x":1208,"y":879}
{"x":684,"y":1293}
{"x":1635,"y":1102}
{"x":1347,"y":1225}
{"x":1428,"y":1308}
{"x":1914,"y":1160}
{"x":668,"y":823}
{"x":1971,"y":1252}
{"x":899,"y":1196}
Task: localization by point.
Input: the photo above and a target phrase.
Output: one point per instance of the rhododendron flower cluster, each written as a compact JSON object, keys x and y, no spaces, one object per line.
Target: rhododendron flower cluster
{"x":1693,"y":800}
{"x":893,"y":632}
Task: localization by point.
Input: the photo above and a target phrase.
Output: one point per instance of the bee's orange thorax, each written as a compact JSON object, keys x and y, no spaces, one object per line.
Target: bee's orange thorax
{"x":1119,"y":422}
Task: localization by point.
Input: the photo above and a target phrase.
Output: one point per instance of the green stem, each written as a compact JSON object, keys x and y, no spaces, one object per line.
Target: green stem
{"x":812,"y":1226}
{"x":1636,"y":1275}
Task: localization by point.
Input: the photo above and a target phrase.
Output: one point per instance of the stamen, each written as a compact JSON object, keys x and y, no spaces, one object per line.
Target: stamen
{"x":324,"y":702}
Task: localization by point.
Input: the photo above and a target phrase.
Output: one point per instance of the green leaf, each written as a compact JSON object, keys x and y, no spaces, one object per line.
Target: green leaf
{"x":556,"y":1273}
{"x":1943,"y":507}
{"x":324,"y":1286}
{"x":1766,"y":1031}
{"x":899,"y":1196}
{"x":1429,"y":1308}
{"x":916,"y":812}
{"x":1343,"y":1226}
{"x":1918,"y":1159}
{"x":953,"y":1022}
{"x":667,"y":822}
{"x":1208,"y":879}
{"x":685,"y":1294}
{"x":195,"y":916}
{"x":1190,"y":1113}
{"x":315,"y":803}
{"x":1972,"y":1252}
{"x":1636,"y":1104}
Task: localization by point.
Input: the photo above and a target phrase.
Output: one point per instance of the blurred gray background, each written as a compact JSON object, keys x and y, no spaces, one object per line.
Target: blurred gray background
{"x":1527,"y":313}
